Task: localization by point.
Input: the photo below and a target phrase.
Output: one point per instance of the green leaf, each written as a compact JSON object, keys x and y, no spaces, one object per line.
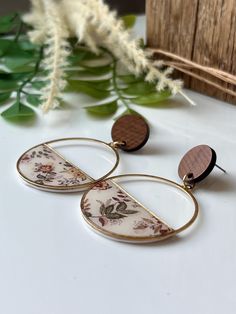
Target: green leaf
{"x":4,"y":97}
{"x":16,"y":49}
{"x":81,"y":55}
{"x":140,"y":88}
{"x":141,"y":43}
{"x":8,"y":85}
{"x":14,"y":76}
{"x":86,"y":88}
{"x":8,"y":22}
{"x":129,"y":20}
{"x":33,"y":99}
{"x":128,"y":111}
{"x":103,"y":110}
{"x":38,"y":84}
{"x":13,"y":62}
{"x":98,"y":70}
{"x":130,"y":78}
{"x":26,"y":68}
{"x":23,"y":49}
{"x":78,"y":49}
{"x":100,"y":84}
{"x":26,"y":45}
{"x":17,"y":110}
{"x":4,"y":45}
{"x":15,"y":56}
{"x":8,"y":18}
{"x":152,"y":99}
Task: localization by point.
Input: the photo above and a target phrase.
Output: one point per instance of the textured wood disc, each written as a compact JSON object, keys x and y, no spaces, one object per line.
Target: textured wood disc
{"x":199,"y":161}
{"x":131,"y":129}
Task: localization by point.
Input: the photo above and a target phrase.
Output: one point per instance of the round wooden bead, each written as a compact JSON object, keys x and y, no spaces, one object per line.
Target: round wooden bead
{"x":198,"y":162}
{"x":132,"y":130}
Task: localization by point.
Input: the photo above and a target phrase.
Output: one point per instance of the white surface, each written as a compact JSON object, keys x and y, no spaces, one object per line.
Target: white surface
{"x":50,"y":263}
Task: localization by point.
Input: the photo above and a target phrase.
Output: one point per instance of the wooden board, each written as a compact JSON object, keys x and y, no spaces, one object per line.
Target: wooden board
{"x":201,"y":30}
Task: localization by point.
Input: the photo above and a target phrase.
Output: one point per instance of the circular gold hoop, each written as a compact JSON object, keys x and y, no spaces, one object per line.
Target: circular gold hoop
{"x":75,"y":187}
{"x":123,"y":238}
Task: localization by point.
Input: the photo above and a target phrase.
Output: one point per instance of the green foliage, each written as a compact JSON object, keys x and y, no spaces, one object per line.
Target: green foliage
{"x":94,"y":75}
{"x":86,"y":88}
{"x":8,"y":22}
{"x":152,"y":99}
{"x":38,"y":84}
{"x":8,"y":85}
{"x":18,"y":110}
{"x":33,"y":99}
{"x":128,"y":111}
{"x":4,"y":97}
{"x":129,"y":20}
{"x":130,"y":78}
{"x":140,"y":88}
{"x":104,"y":109}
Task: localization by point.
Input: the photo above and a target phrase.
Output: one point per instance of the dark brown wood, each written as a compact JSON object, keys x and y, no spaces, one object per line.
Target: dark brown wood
{"x":200,"y":30}
{"x":198,"y":163}
{"x":131,"y":129}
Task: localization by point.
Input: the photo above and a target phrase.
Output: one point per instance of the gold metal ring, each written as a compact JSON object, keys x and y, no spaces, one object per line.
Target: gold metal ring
{"x":75,"y":187}
{"x":188,"y":184}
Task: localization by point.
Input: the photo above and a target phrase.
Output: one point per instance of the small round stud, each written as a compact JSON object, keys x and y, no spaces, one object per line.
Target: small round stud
{"x":132,"y":130}
{"x":199,"y":161}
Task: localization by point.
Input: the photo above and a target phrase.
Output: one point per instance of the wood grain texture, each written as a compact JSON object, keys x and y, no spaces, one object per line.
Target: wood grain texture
{"x":199,"y":162}
{"x":201,"y":30}
{"x":131,"y":129}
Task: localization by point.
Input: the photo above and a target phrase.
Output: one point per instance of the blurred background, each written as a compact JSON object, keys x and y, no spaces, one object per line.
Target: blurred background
{"x":123,"y":6}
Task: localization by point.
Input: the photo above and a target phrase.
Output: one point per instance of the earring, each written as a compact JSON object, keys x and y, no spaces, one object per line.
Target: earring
{"x":43,"y":167}
{"x":111,"y":211}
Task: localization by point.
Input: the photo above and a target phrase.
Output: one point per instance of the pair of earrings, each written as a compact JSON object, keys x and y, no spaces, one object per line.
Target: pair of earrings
{"x":106,"y":206}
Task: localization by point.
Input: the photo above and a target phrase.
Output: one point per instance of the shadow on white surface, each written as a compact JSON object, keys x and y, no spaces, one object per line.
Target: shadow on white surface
{"x":217,"y":183}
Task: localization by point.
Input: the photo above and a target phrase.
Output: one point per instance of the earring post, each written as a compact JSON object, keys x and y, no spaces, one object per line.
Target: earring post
{"x":221,"y":168}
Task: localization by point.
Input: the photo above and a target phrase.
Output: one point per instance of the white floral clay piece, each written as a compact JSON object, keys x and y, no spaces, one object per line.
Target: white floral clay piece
{"x":43,"y":167}
{"x":112,"y":211}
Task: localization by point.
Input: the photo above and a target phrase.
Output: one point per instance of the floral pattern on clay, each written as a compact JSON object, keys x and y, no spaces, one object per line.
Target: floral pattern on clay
{"x":44,"y":166}
{"x":109,"y":207}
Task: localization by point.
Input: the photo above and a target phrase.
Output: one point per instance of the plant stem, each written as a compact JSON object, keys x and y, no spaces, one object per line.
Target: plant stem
{"x":18,"y":31}
{"x":29,"y":79}
{"x":116,"y":88}
{"x":114,"y":80}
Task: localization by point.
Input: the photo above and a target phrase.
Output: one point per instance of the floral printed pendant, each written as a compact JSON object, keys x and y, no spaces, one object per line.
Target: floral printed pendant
{"x":110,"y":210}
{"x":45,"y":168}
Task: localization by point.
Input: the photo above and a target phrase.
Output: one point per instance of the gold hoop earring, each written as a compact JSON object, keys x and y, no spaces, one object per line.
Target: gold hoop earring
{"x":43,"y":167}
{"x":111,"y":211}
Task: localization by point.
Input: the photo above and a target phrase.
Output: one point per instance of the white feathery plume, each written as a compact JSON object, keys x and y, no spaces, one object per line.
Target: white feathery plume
{"x":35,"y":18}
{"x":95,"y":25}
{"x":56,"y":53}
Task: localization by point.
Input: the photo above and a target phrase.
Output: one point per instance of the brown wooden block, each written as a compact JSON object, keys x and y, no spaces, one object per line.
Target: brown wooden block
{"x":131,"y":129}
{"x":203,"y":31}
